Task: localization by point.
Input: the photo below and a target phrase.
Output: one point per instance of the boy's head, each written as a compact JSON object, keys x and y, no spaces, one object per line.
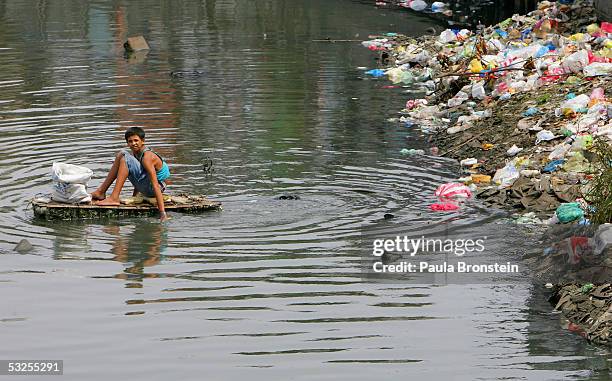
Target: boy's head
{"x":134,"y":137}
{"x":135,"y":131}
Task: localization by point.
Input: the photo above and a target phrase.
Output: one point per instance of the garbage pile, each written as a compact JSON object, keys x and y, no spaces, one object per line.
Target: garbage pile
{"x":573,"y":254}
{"x":588,"y":308}
{"x":525,"y":107}
{"x":521,"y":104}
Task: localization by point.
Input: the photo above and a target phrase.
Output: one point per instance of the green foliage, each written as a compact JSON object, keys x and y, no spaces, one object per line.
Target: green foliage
{"x":600,"y":193}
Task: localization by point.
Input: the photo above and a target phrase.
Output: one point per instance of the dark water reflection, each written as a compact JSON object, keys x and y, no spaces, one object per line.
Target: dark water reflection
{"x":267,"y":288}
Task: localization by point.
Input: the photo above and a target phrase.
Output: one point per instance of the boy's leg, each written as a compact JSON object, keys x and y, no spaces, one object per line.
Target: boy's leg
{"x":100,"y":193}
{"x":121,"y":176}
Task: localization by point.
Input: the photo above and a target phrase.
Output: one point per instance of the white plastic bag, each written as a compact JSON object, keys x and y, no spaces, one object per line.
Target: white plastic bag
{"x":70,"y":183}
{"x":576,"y":62}
{"x":581,"y":101}
{"x":543,"y":136}
{"x":478,"y":91}
{"x":506,"y":176}
{"x":418,"y":5}
{"x":597,"y":68}
{"x":447,"y":36}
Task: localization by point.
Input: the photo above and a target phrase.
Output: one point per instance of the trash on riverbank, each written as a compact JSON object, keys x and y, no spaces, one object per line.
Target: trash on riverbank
{"x":588,"y":307}
{"x":527,"y":103}
{"x":534,"y":85}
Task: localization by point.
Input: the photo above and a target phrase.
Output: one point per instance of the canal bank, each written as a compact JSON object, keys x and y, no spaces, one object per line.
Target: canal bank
{"x":524,"y":106}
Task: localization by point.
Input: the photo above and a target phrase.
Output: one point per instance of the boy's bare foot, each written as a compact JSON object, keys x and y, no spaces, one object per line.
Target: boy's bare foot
{"x":108,"y":202}
{"x":97,"y":195}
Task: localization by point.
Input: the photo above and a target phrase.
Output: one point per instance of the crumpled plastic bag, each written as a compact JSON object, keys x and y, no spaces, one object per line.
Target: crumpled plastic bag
{"x":447,"y":36}
{"x":553,"y":166}
{"x":506,"y":176}
{"x":544,"y":135}
{"x":597,"y":68}
{"x":418,"y":5}
{"x":453,"y":191}
{"x":443,"y":206}
{"x":569,"y":212}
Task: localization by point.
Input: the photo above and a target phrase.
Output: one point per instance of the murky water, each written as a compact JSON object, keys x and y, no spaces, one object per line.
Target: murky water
{"x":267,"y":288}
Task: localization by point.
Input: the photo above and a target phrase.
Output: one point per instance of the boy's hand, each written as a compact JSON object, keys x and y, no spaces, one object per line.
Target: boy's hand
{"x":163,"y":217}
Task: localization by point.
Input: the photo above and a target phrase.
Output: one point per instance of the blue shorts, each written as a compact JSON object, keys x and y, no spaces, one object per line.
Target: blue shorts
{"x":138,"y":176}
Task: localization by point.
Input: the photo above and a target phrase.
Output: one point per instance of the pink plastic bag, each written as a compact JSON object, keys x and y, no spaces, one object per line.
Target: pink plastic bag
{"x":452,"y":191}
{"x":598,"y":94}
{"x":594,"y":58}
{"x":606,"y":27}
{"x":443,"y":206}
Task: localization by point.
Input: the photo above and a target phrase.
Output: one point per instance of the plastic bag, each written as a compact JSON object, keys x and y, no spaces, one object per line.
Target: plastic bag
{"x":559,"y":152}
{"x":553,"y":166}
{"x":569,"y":212}
{"x":576,"y":103}
{"x":443,"y":206}
{"x":395,"y":74}
{"x":418,"y":5}
{"x":544,"y":135}
{"x":576,"y":62}
{"x":506,"y":176}
{"x":453,"y":191}
{"x":597,"y":96}
{"x":478,"y":91}
{"x":597,"y":68}
{"x":70,"y":183}
{"x":376,"y":73}
{"x":447,"y":36}
{"x":438,"y":6}
{"x":512,"y":151}
{"x":458,"y":99}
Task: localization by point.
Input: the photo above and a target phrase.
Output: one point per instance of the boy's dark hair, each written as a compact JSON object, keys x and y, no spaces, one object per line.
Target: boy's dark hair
{"x":134,"y":131}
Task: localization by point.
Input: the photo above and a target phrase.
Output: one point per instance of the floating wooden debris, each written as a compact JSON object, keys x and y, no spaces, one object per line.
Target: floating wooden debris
{"x":135,"y":44}
{"x":132,"y":207}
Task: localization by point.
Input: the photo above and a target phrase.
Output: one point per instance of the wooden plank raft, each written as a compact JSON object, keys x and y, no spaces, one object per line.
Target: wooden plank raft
{"x":131,"y":207}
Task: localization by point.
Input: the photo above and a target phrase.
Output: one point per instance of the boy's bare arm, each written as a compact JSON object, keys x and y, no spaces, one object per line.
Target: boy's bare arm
{"x":147,"y":163}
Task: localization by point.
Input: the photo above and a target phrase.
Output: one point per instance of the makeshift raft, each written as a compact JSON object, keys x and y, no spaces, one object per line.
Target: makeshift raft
{"x":132,"y":207}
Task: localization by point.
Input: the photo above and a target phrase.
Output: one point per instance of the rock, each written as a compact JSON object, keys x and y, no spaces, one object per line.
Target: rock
{"x":388,"y":216}
{"x":24,"y":246}
{"x":134,"y":44}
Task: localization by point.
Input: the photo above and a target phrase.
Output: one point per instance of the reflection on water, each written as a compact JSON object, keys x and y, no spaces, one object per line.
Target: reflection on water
{"x":267,"y":288}
{"x":139,"y":246}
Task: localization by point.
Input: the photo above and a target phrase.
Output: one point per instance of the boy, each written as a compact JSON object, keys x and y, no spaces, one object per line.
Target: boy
{"x":145,"y":169}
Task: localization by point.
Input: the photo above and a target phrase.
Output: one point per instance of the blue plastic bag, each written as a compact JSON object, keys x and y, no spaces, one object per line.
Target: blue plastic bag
{"x":553,"y":166}
{"x":376,"y":73}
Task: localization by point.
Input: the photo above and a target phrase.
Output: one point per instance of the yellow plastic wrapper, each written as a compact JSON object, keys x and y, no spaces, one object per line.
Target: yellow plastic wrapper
{"x":476,"y":66}
{"x":577,"y":37}
{"x":480,"y":179}
{"x":593,"y":28}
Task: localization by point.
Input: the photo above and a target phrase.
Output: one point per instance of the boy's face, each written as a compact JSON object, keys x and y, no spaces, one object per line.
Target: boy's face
{"x":135,"y":143}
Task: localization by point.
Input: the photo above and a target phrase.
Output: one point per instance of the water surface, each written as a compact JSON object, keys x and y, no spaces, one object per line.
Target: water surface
{"x":267,"y":288}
